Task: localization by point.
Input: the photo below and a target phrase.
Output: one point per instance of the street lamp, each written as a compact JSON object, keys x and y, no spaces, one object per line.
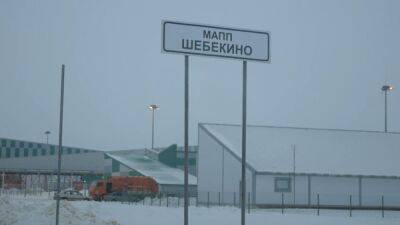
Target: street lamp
{"x":386,"y":88}
{"x":47,"y":133}
{"x":152,"y":108}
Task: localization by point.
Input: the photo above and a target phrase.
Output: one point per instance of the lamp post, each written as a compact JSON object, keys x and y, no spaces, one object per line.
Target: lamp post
{"x":385,"y":89}
{"x":152,"y":108}
{"x":47,"y":133}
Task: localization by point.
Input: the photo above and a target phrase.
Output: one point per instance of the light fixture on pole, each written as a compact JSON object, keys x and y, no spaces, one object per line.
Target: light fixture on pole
{"x":153,"y":108}
{"x":47,"y":133}
{"x":385,"y":89}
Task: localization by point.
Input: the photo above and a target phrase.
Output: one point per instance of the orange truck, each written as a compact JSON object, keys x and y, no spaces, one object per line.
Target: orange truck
{"x":137,"y":186}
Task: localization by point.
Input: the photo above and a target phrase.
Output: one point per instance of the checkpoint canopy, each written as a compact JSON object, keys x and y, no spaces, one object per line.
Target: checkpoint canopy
{"x":197,"y":39}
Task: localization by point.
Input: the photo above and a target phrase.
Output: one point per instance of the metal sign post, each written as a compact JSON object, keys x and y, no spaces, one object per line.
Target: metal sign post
{"x":60,"y":144}
{"x":186,"y":186}
{"x":244,"y":125}
{"x":215,"y":41}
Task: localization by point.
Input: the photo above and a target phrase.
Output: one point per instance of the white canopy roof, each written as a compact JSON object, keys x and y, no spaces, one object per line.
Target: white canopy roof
{"x":318,"y":151}
{"x":163,"y":174}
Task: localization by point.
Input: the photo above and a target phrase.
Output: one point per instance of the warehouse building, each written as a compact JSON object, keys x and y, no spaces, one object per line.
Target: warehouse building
{"x":36,"y":165}
{"x":299,"y":166}
{"x":17,"y":155}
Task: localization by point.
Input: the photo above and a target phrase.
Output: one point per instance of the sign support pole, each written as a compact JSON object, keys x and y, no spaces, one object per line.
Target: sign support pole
{"x":60,"y":144}
{"x":186,"y":196}
{"x":244,"y":124}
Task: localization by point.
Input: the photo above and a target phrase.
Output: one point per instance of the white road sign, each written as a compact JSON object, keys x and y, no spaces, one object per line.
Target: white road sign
{"x":197,"y":39}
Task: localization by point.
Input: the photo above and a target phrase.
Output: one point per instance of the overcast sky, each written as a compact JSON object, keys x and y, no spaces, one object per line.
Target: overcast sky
{"x":329,"y":60}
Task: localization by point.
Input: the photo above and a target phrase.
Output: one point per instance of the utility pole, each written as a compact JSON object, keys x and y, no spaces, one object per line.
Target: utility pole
{"x":152,"y":108}
{"x":385,"y":89}
{"x":60,"y":144}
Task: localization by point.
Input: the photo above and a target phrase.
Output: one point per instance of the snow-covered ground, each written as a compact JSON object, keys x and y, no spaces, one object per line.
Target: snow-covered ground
{"x":41,"y":211}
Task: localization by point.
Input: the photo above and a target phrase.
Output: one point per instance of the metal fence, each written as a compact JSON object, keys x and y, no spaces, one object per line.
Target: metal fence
{"x":175,"y":200}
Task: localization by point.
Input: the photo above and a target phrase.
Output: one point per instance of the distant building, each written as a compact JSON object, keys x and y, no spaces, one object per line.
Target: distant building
{"x":39,"y":160}
{"x":336,"y":165}
{"x":17,"y":155}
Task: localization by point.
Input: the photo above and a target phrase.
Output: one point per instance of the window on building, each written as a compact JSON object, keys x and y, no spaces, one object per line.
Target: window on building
{"x":44,"y":151}
{"x":34,"y":152}
{"x":21,"y":144}
{"x":16,"y":153}
{"x":52,"y":150}
{"x":26,"y":152}
{"x":85,"y":151}
{"x":77,"y":151}
{"x":1,"y":152}
{"x":30,"y":145}
{"x":12,"y":143}
{"x":39,"y":146}
{"x":69,"y":151}
{"x":8,"y":152}
{"x":283,"y":184}
{"x":3,"y":143}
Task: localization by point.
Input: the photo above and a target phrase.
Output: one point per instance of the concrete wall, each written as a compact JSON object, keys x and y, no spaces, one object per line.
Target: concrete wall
{"x":265,"y":190}
{"x":332,"y":190}
{"x":84,"y":161}
{"x":373,"y":189}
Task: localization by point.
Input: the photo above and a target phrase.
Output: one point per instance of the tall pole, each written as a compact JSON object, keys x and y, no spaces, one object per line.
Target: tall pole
{"x":152,"y":130}
{"x":385,"y":110}
{"x":60,"y":144}
{"x":244,"y":124}
{"x":186,"y":195}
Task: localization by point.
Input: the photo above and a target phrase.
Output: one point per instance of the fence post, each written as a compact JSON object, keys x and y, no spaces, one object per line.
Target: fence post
{"x":318,"y":204}
{"x":160,"y":196}
{"x":350,"y":207}
{"x":179,"y":200}
{"x":383,"y":206}
{"x":167,"y":199}
{"x":282,"y":202}
{"x":248,"y":202}
{"x":208,"y":199}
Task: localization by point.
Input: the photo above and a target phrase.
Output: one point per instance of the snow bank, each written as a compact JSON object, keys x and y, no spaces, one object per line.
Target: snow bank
{"x":42,"y":212}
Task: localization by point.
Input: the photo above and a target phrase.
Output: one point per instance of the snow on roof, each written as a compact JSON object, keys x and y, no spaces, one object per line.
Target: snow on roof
{"x":318,"y":151}
{"x":162,"y":173}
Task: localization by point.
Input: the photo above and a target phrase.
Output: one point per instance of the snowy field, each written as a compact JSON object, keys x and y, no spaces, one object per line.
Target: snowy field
{"x":41,"y":211}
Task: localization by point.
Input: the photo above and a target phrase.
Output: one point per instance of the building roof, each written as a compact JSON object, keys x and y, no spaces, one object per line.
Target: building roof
{"x":318,"y":151}
{"x":162,"y":173}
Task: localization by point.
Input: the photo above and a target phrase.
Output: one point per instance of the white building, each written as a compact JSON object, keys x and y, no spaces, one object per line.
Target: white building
{"x":331,"y":164}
